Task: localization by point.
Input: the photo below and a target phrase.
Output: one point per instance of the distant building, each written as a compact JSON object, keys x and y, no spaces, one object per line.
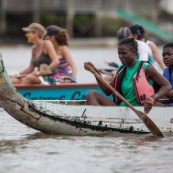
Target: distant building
{"x":14,"y":14}
{"x":167,"y":5}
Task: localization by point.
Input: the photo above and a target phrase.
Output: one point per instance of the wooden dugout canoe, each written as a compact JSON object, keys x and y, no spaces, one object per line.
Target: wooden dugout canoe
{"x":75,"y":117}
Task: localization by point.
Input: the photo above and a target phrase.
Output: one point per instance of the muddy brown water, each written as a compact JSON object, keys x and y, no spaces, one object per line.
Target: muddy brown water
{"x":24,"y":150}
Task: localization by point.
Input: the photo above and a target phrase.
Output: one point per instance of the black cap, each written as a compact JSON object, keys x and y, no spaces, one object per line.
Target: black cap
{"x":53,"y":30}
{"x":137,"y":29}
{"x":123,"y":32}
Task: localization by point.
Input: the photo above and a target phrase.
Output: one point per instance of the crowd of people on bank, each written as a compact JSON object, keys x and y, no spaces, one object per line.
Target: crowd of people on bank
{"x":136,"y":79}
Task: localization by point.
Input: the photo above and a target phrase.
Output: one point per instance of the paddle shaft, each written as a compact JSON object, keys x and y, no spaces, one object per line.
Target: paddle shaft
{"x":146,"y":120}
{"x":110,"y":87}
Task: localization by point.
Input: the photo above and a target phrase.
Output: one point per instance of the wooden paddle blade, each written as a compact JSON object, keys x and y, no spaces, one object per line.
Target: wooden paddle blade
{"x":149,"y":123}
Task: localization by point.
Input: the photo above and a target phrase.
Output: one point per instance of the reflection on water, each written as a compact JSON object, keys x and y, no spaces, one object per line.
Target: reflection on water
{"x":23,"y":149}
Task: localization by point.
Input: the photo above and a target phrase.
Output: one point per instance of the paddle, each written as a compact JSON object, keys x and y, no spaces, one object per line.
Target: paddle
{"x":146,"y":120}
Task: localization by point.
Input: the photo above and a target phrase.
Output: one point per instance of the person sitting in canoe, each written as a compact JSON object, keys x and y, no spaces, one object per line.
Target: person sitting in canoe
{"x":66,"y":68}
{"x":168,"y":71}
{"x":134,"y":80}
{"x":139,"y":34}
{"x":144,"y":51}
{"x":43,"y":52}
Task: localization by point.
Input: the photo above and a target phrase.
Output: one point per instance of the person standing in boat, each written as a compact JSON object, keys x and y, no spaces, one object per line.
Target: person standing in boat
{"x":139,"y":34}
{"x":43,"y":52}
{"x":66,"y":69}
{"x":125,"y":81}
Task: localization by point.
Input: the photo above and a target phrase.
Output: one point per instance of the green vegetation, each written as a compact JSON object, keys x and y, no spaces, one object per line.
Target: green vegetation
{"x":47,"y":18}
{"x":110,"y":25}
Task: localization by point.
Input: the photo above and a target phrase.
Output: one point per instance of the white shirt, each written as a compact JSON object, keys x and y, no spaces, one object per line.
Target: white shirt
{"x":144,"y":51}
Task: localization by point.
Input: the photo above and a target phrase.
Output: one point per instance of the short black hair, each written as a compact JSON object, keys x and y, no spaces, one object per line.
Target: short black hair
{"x":137,"y":29}
{"x":131,"y":42}
{"x":168,"y":45}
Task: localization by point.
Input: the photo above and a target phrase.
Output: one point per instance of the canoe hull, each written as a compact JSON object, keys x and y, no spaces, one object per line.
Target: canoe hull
{"x":115,"y":119}
{"x":75,"y":117}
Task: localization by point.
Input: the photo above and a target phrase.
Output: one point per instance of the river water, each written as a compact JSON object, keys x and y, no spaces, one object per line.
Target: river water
{"x":24,"y":150}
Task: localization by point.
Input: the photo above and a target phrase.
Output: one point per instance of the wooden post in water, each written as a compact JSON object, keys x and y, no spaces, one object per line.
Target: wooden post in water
{"x":36,"y":11}
{"x":3,"y":21}
{"x":69,"y":22}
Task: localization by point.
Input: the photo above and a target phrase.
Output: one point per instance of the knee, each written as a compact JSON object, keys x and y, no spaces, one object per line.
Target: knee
{"x":15,"y":81}
{"x":91,"y":94}
{"x":26,"y":79}
{"x":30,"y":79}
